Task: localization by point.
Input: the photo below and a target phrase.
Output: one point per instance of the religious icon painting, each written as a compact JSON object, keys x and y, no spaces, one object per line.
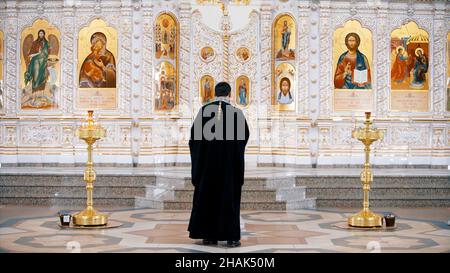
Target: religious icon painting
{"x":206,"y":89}
{"x":243,"y":54}
{"x":284,"y":47}
{"x":243,"y":91}
{"x":352,"y":65}
{"x":409,"y":54}
{"x":284,"y":37}
{"x":166,"y":33}
{"x":166,"y":37}
{"x":207,"y":54}
{"x":285,"y":87}
{"x":40,"y":69}
{"x":97,"y":66}
{"x":166,"y":91}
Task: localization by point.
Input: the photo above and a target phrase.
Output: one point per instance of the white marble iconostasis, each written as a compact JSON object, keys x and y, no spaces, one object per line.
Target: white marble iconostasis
{"x":310,"y":133}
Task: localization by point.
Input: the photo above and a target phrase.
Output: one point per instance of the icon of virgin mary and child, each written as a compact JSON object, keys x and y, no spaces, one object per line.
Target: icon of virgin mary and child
{"x":99,"y":68}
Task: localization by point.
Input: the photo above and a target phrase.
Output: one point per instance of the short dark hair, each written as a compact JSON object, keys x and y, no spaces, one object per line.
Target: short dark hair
{"x":222,"y":89}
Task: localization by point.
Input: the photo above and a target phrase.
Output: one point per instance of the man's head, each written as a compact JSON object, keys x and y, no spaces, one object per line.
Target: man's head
{"x":352,"y":41}
{"x":285,"y":85}
{"x":222,"y":89}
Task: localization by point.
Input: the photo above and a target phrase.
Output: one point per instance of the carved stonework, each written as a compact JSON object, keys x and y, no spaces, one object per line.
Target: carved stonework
{"x":68,"y":135}
{"x":125,"y":31}
{"x":111,"y":135}
{"x":245,"y":37}
{"x":146,"y":139}
{"x":303,"y":64}
{"x":383,"y":71}
{"x":341,"y":135}
{"x":324,"y":137}
{"x":266,"y":60}
{"x":11,"y":136}
{"x":303,"y":140}
{"x":185,"y":60}
{"x":11,"y":63}
{"x":67,"y":49}
{"x":40,"y":135}
{"x":147,"y":61}
{"x":125,"y":135}
{"x":412,"y":136}
{"x":279,"y":134}
{"x":325,"y":57}
{"x":438,"y":137}
{"x":438,"y":64}
{"x":204,"y":36}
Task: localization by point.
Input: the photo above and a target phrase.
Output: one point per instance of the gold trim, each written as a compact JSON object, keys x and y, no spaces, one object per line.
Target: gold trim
{"x":200,"y":88}
{"x":250,"y":85}
{"x":97,"y":24}
{"x":276,"y":107}
{"x":156,"y":61}
{"x":249,"y":54}
{"x":212,"y":58}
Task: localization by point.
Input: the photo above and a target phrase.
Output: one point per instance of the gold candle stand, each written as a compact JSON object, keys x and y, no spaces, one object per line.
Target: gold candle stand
{"x":366,"y":218}
{"x":90,"y":133}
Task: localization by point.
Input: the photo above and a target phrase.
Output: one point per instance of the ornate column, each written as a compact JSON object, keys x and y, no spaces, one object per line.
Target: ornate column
{"x":136,"y":85}
{"x":12,"y":67}
{"x":439,"y":72}
{"x":264,"y":96}
{"x":382,"y":88}
{"x":68,"y":52}
{"x":125,"y":31}
{"x":185,"y":59}
{"x":325,"y":57}
{"x":147,"y":58}
{"x":226,"y":26}
{"x":311,"y":76}
{"x":306,"y":40}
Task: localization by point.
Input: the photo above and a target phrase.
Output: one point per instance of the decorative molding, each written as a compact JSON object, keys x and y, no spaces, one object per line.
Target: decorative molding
{"x":135,"y":130}
{"x":204,"y":36}
{"x":147,"y":60}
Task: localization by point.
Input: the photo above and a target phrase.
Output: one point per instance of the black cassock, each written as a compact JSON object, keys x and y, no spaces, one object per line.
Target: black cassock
{"x":217,"y":175}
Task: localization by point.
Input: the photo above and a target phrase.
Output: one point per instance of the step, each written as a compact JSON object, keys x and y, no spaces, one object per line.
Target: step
{"x":249,"y":182}
{"x":75,"y":180}
{"x":378,"y":193}
{"x":142,"y":202}
{"x":379,"y":181}
{"x":67,"y":201}
{"x":250,"y":194}
{"x":70,"y":191}
{"x":379,"y":203}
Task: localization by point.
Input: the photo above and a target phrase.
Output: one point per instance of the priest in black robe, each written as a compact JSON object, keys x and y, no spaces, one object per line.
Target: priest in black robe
{"x":217,"y":145}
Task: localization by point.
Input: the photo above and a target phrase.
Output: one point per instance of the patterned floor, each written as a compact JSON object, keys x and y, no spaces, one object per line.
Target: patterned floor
{"x":148,"y":230}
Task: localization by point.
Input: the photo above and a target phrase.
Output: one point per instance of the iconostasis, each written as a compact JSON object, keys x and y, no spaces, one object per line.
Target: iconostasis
{"x":303,"y":72}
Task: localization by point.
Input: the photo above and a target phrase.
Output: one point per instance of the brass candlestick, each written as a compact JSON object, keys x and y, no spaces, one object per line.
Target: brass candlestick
{"x":90,"y":132}
{"x":367,"y":135}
